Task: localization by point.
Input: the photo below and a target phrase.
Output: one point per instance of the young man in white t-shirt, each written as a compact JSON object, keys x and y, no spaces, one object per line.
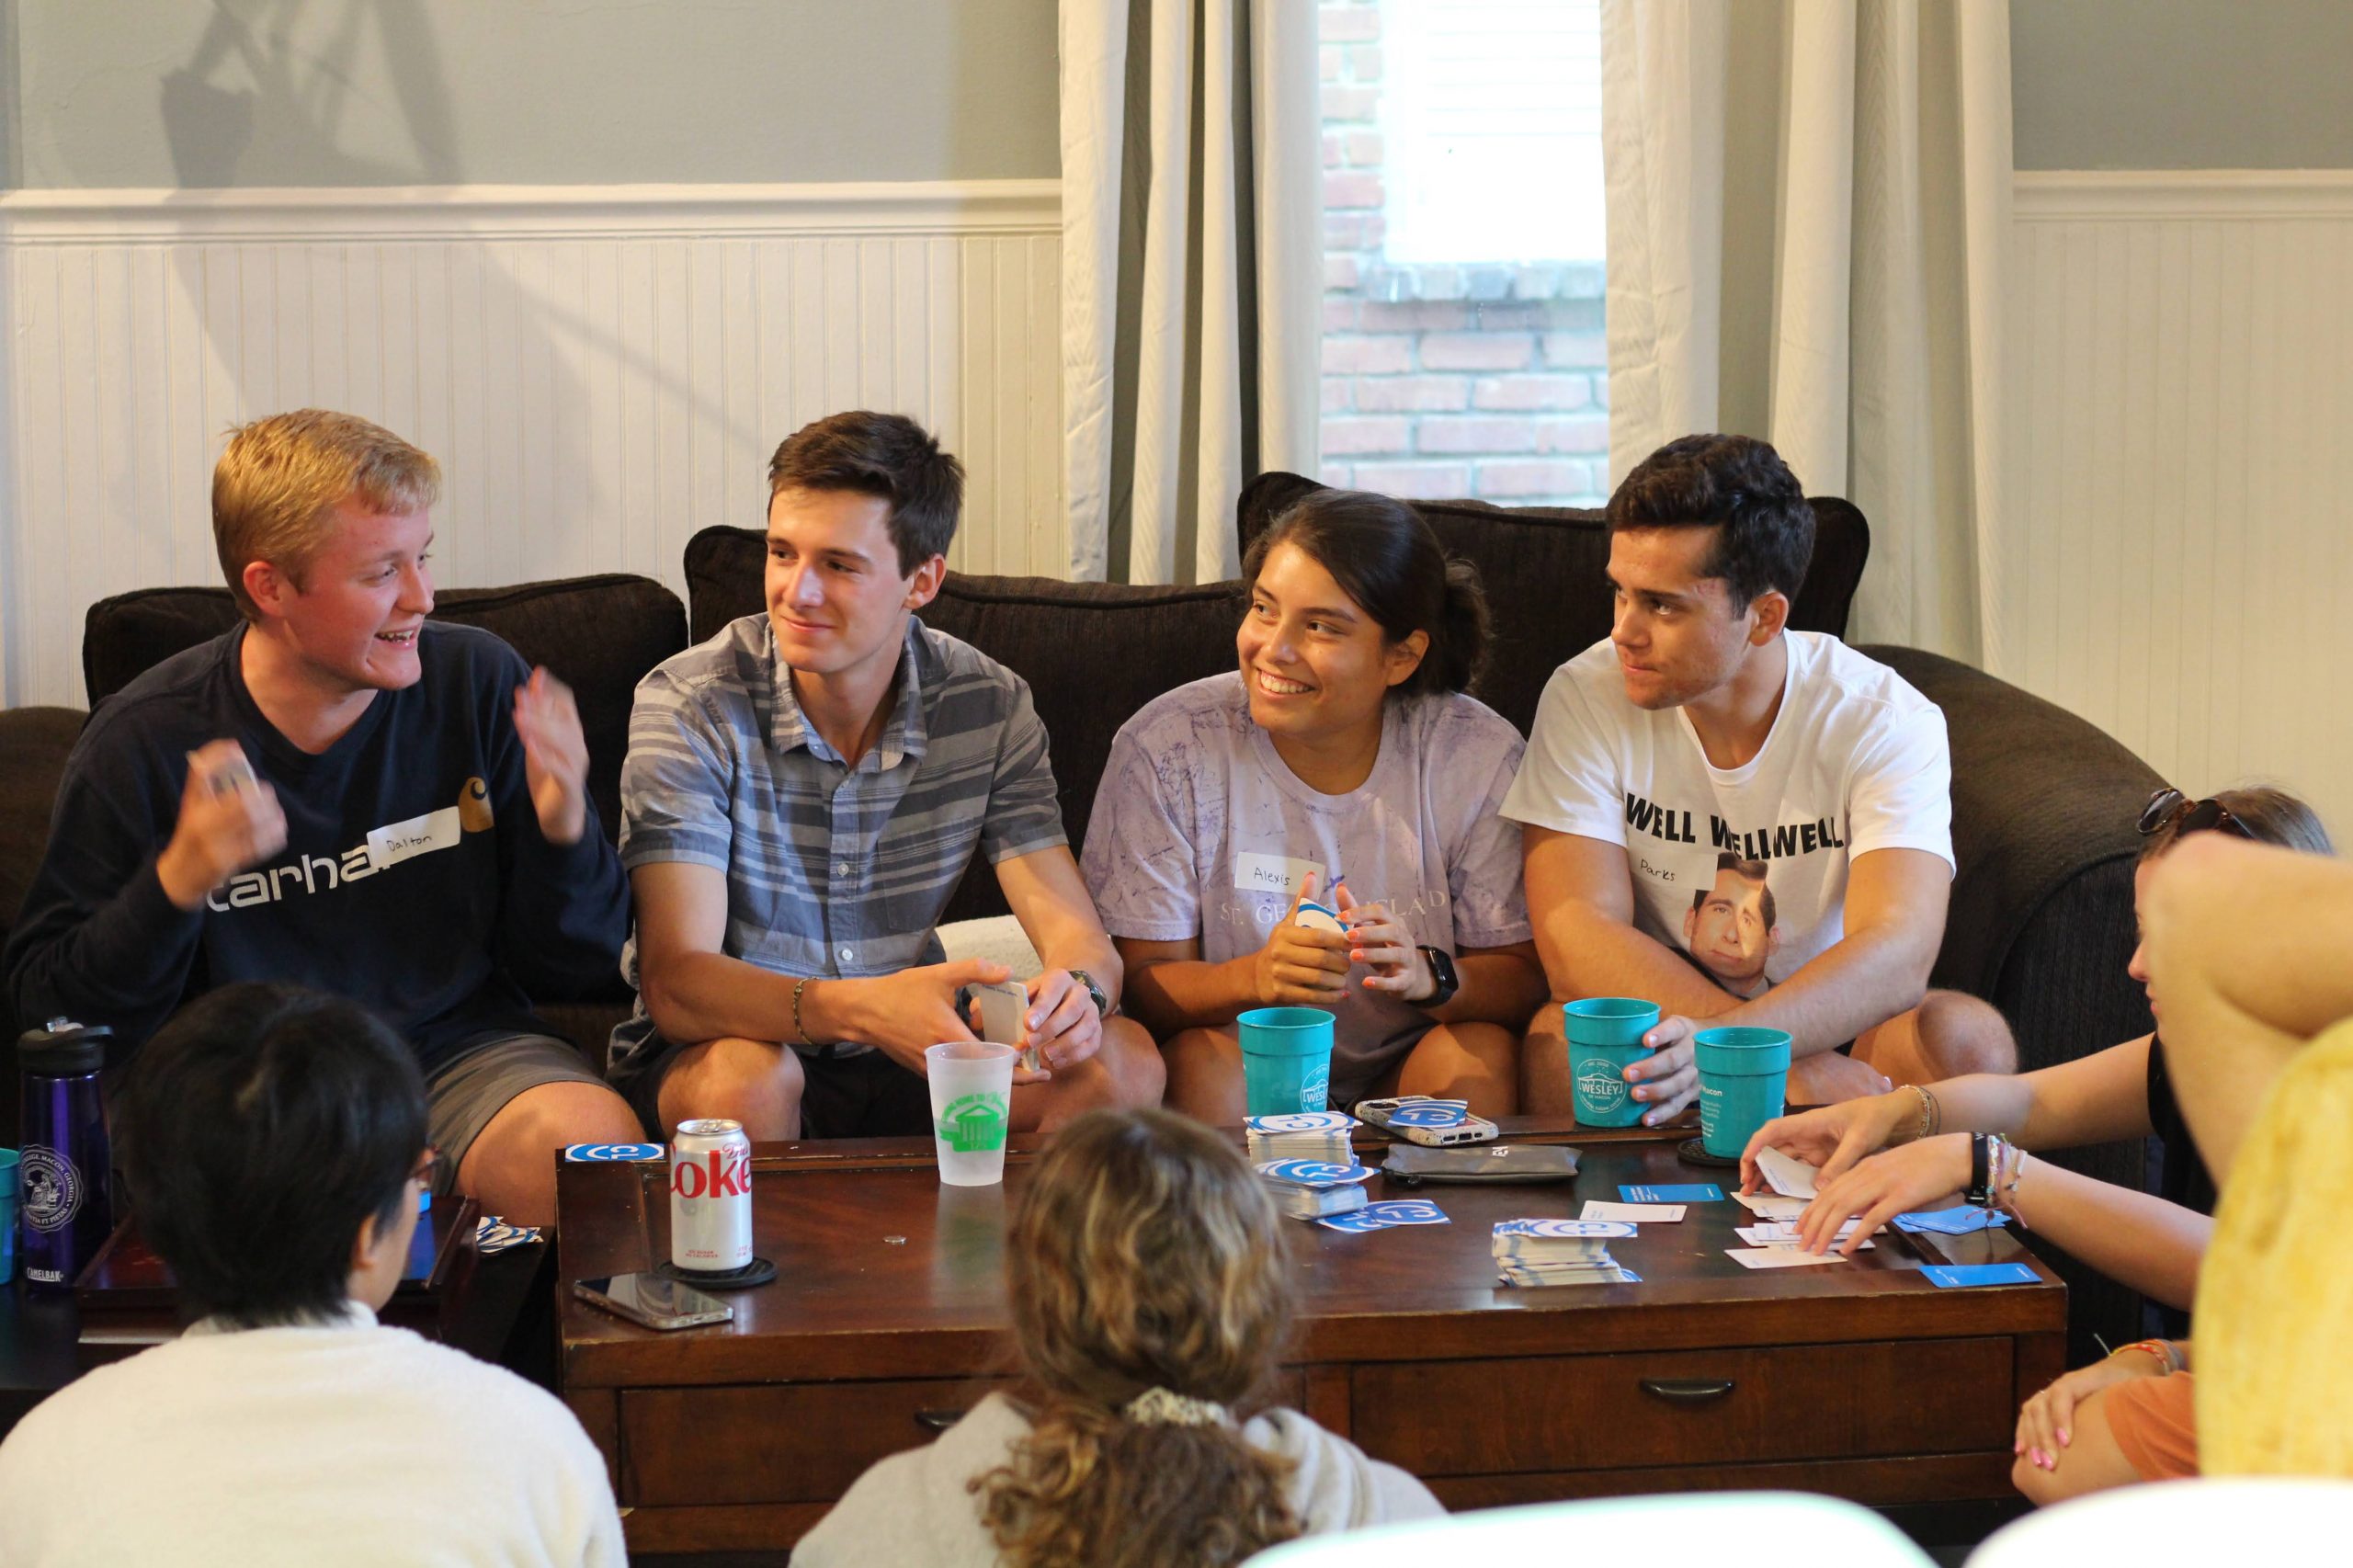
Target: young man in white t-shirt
{"x":274,"y":1141}
{"x":1744,"y":823}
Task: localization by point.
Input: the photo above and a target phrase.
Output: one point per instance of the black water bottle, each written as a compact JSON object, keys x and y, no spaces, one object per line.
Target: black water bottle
{"x":65,"y":1205}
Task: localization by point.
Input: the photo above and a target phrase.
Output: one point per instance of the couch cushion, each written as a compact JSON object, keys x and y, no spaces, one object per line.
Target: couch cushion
{"x":1093,"y":653}
{"x":1544,"y":569}
{"x":600,"y":635}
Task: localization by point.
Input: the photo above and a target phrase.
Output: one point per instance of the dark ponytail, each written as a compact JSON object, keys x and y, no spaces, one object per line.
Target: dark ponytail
{"x":1385,"y":557}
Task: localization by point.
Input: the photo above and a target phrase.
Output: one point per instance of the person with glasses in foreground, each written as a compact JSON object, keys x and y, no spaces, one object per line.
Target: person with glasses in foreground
{"x":274,"y":1143}
{"x":2128,"y":1418}
{"x":1151,"y":1296}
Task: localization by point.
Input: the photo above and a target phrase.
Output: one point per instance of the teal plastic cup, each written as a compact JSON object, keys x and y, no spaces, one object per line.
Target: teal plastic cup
{"x":1286,"y":1060}
{"x":8,"y":1179}
{"x":1742,"y":1073}
{"x":1604,"y":1039}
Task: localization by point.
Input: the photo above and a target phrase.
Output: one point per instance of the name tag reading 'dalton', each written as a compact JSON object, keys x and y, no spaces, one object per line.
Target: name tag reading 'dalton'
{"x":395,"y":842}
{"x":1254,"y":872}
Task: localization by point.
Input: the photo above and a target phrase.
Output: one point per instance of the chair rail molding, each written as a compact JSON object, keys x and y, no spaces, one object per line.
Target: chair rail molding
{"x":601,"y":370}
{"x":2179,"y":537}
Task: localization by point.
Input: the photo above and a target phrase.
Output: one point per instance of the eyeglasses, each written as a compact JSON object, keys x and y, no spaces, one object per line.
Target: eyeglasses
{"x":2172,"y":808}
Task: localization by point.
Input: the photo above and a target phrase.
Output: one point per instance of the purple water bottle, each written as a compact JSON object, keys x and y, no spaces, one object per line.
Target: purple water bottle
{"x":66,"y":1208}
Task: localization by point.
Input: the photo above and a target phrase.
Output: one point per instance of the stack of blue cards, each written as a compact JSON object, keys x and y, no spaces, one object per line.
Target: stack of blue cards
{"x":1301,"y":1135}
{"x":1560,"y":1252}
{"x":1311,"y":1189}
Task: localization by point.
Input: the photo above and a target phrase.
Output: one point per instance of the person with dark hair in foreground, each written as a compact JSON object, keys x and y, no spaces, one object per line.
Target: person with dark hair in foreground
{"x":273,"y":1139}
{"x":801,"y":797}
{"x":1344,"y":761}
{"x":2128,"y":1418}
{"x":1151,"y":1294}
{"x":1703,"y":732}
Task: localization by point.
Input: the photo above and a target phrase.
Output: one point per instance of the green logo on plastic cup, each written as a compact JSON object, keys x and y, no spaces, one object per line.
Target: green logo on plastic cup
{"x":974,"y":1124}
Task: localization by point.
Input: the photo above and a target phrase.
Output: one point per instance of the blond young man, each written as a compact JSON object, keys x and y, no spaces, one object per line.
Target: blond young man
{"x":342,"y":794}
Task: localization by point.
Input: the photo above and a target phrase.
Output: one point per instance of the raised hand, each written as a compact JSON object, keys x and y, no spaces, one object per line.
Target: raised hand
{"x":230,"y":821}
{"x":555,"y":755}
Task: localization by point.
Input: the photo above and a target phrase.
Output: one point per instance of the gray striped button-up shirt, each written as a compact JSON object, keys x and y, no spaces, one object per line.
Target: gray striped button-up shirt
{"x":832,"y":870}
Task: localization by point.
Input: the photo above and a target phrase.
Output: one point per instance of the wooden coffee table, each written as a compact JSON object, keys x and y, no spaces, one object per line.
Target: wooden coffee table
{"x":887,"y":1318}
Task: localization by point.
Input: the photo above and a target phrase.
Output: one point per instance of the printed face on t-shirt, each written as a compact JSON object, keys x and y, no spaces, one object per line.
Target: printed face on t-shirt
{"x":1730,"y":929}
{"x":1676,"y":632}
{"x":836,"y":598}
{"x":1314,"y":662}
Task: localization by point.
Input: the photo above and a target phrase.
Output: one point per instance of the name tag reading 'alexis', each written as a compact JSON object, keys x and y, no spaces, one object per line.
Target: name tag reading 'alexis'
{"x":399,"y":841}
{"x":1254,"y":872}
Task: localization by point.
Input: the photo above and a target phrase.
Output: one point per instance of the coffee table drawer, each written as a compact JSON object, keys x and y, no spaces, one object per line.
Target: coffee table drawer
{"x":1702,"y":1407}
{"x":778,"y":1442}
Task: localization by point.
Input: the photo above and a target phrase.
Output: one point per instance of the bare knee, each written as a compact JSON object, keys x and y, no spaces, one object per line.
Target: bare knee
{"x":1203,"y":1075}
{"x":748,"y":1081}
{"x":1959,"y":1034}
{"x":1139,"y":1074}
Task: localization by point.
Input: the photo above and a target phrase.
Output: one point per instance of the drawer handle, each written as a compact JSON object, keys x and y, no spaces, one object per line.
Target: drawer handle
{"x":1688,"y":1391}
{"x":940,"y":1420}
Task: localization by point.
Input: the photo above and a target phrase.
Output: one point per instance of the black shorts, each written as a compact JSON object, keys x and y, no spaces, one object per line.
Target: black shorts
{"x":864,"y":1095}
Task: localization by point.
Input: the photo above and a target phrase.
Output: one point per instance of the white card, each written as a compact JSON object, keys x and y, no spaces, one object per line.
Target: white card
{"x":1641,"y":1213}
{"x":1278,"y":874}
{"x":1771,"y":1205}
{"x":1779,"y":1257}
{"x":1779,"y":1233}
{"x":399,"y":841}
{"x":1790,"y":1177}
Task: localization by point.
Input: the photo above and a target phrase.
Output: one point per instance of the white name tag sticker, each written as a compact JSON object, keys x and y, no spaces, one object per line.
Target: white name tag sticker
{"x":399,"y":841}
{"x":1275,"y":874}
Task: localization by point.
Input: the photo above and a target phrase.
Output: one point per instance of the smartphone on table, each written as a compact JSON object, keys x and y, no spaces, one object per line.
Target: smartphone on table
{"x":654,"y":1299}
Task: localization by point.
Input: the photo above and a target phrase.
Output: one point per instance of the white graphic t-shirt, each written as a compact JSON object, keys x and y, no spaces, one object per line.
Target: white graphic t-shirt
{"x":1742,"y":870}
{"x":1200,"y":829}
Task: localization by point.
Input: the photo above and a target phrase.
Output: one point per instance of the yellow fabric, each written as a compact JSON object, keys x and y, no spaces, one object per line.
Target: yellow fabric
{"x":2275,"y":1297}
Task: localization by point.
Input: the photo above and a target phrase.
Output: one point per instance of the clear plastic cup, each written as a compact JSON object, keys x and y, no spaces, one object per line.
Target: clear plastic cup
{"x":972,"y":1110}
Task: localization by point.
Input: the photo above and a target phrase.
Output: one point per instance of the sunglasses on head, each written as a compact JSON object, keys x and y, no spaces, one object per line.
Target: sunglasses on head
{"x":2171,"y":808}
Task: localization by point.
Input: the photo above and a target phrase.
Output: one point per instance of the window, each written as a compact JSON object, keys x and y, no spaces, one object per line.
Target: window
{"x":1463,"y":353}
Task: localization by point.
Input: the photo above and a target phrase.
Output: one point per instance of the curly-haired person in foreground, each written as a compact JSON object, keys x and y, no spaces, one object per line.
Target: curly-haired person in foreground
{"x":1151,"y":1297}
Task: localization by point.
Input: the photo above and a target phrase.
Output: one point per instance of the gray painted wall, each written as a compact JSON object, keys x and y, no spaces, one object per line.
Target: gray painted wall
{"x":559,"y":92}
{"x":2181,"y":83}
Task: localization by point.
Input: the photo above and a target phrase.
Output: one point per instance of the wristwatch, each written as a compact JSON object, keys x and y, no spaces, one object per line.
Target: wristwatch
{"x":1102,"y":1001}
{"x":1442,"y":974}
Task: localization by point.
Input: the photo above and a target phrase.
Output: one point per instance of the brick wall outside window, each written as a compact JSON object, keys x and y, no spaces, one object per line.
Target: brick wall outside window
{"x":1442,"y":380}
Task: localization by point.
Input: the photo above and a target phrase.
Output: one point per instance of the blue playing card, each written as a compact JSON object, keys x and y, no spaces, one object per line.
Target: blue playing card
{"x":1952,"y":1275}
{"x":1958,"y":1222}
{"x":1686,"y":1192}
{"x":1406,"y":1211}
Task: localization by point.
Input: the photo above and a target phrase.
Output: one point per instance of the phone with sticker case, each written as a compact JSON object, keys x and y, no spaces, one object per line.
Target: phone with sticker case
{"x":1398,"y":1114}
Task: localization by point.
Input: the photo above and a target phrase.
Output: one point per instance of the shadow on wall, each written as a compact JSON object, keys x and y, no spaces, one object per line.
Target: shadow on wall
{"x":248,"y":72}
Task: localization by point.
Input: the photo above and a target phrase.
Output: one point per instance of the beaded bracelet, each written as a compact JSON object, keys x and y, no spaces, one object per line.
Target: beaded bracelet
{"x":798,"y":988}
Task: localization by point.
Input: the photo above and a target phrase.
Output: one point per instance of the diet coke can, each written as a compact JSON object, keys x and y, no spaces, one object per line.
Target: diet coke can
{"x":711,"y":1196}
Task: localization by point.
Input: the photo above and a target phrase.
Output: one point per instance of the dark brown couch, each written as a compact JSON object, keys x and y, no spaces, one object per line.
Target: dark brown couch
{"x":2041,"y":920}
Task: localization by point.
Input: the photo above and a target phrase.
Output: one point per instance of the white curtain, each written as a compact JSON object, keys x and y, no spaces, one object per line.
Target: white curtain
{"x":1809,"y":215}
{"x":1192,"y":273}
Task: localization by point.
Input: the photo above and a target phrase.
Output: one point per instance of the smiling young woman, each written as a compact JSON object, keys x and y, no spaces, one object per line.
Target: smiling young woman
{"x":1344,"y":760}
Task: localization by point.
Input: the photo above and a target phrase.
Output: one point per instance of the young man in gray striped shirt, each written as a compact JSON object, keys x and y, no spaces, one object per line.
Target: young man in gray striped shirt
{"x":802,"y":794}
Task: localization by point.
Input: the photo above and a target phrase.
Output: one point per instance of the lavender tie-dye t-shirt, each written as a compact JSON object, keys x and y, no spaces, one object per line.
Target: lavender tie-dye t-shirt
{"x":1202,"y":830}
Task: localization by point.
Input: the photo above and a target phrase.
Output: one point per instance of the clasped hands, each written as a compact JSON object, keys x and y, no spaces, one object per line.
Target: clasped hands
{"x":1304,"y":966}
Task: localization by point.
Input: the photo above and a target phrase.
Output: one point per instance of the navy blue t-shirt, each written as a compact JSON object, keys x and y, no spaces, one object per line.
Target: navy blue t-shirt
{"x":414,"y":878}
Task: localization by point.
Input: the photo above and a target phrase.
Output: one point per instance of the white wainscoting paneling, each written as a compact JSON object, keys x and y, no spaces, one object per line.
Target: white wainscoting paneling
{"x":2179,"y":562}
{"x":601,"y":370}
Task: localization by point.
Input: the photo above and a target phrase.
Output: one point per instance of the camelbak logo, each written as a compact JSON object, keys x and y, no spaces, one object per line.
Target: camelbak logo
{"x":386,"y":846}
